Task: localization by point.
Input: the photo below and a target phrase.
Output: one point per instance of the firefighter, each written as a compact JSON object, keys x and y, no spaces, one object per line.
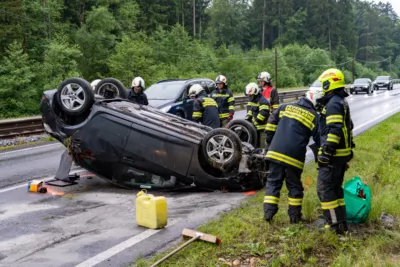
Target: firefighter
{"x":225,"y":100}
{"x":205,"y":109}
{"x":289,"y":129}
{"x":258,"y":109}
{"x":268,"y":90}
{"x":335,"y":152}
{"x":136,"y":94}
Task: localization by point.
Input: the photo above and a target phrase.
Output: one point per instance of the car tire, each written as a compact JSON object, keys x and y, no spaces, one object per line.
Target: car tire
{"x":72,"y":89}
{"x":111,"y":84}
{"x":221,"y":148}
{"x":244,"y":130}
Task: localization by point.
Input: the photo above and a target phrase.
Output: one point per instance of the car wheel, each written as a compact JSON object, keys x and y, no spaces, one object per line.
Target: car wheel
{"x":221,"y":148}
{"x":110,"y":85}
{"x":244,"y":130}
{"x":75,"y":96}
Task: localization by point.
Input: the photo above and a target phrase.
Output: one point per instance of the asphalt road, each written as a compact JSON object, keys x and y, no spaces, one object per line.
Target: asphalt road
{"x":93,"y":223}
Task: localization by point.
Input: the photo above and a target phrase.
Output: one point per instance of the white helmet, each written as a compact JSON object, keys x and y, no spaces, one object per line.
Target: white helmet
{"x":314,"y":94}
{"x":138,"y":81}
{"x":195,"y":89}
{"x":221,"y":79}
{"x":264,"y":76}
{"x":94,"y":83}
{"x":252,"y":89}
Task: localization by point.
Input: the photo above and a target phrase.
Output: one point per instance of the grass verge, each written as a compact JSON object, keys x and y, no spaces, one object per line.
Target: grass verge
{"x":24,"y":144}
{"x":253,"y":242}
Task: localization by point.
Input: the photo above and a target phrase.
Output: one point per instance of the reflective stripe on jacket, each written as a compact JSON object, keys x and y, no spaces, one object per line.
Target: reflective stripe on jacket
{"x":225,"y":102}
{"x":337,"y":128}
{"x":205,"y":110}
{"x":258,"y":109}
{"x":289,"y":129}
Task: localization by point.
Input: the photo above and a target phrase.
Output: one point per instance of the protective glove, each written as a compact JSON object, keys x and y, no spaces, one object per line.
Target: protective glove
{"x":324,"y":158}
{"x":230,"y":116}
{"x":353,"y":145}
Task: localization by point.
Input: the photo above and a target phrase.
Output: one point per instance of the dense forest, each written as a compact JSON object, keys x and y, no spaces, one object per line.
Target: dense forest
{"x":43,"y":42}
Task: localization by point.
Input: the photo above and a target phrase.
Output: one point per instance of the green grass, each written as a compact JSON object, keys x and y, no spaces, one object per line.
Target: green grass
{"x":246,"y":237}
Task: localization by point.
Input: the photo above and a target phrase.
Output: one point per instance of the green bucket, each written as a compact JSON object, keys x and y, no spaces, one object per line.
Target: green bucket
{"x":357,"y":208}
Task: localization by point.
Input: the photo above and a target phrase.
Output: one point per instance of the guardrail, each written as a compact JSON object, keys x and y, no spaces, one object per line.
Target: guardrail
{"x":33,"y":125}
{"x":22,"y":126}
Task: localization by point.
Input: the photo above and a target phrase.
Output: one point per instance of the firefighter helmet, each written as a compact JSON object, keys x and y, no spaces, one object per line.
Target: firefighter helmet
{"x":264,"y":76}
{"x":331,"y":79}
{"x":195,"y":90}
{"x":252,"y":89}
{"x":94,"y":83}
{"x":138,"y":82}
{"x":221,"y":79}
{"x":314,"y":94}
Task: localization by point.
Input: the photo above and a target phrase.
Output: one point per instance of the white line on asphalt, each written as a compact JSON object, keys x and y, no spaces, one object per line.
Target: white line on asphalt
{"x":26,"y":184}
{"x":26,"y":149}
{"x":121,"y":247}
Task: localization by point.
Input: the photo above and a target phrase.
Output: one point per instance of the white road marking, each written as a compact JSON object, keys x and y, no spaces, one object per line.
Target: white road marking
{"x":27,"y":149}
{"x":121,"y":247}
{"x":26,"y":184}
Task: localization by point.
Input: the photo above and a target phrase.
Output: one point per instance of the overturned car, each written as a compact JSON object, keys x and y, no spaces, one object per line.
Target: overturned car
{"x":134,"y":146}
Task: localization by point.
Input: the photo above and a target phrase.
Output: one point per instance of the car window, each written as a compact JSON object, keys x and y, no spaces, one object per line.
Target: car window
{"x":382,"y":78}
{"x":361,"y":81}
{"x":164,"y":91}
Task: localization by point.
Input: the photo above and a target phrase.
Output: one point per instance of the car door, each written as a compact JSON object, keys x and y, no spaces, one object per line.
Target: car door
{"x":153,"y":154}
{"x":101,"y":143}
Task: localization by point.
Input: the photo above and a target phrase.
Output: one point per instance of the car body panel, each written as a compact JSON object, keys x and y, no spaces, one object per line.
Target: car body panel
{"x":136,"y":146}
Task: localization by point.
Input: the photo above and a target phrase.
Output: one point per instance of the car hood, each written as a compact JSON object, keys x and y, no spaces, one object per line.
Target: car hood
{"x":360,"y":84}
{"x":155,"y":103}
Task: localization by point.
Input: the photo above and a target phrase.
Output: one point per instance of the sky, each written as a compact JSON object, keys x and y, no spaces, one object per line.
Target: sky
{"x":395,"y":4}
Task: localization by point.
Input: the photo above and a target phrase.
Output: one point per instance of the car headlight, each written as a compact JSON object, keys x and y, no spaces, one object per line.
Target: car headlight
{"x":166,"y":108}
{"x":365,"y":86}
{"x":352,"y":87}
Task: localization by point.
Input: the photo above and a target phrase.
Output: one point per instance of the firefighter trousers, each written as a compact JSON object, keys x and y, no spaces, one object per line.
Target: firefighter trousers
{"x":277,"y":174}
{"x":330,"y":193}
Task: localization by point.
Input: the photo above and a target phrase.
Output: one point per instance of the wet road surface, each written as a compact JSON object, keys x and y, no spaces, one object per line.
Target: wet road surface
{"x":93,"y":223}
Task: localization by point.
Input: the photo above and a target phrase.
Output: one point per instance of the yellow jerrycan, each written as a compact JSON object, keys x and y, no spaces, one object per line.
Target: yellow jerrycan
{"x":151,"y":211}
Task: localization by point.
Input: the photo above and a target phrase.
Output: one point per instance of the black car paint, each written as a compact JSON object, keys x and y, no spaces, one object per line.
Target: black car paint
{"x":383,"y":82}
{"x":358,"y":86}
{"x":139,"y":139}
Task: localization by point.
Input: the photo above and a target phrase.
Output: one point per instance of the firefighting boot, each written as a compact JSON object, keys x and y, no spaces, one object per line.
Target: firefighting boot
{"x":294,"y":219}
{"x":269,"y":211}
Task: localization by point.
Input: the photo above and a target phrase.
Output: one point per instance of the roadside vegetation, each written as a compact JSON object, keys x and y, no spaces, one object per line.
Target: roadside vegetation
{"x":45,"y":42}
{"x":247,"y":238}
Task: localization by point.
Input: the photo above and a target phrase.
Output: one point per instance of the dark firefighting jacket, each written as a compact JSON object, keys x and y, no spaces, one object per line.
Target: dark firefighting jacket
{"x":225,"y":102}
{"x":205,"y":110}
{"x":139,"y":98}
{"x":258,"y":109}
{"x":272,"y":95}
{"x":289,"y":129}
{"x":336,"y":127}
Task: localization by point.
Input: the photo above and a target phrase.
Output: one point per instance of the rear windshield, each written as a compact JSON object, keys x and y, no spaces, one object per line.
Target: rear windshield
{"x":382,"y":78}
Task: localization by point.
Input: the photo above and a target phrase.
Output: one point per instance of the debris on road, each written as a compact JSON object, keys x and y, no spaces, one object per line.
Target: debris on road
{"x":36,"y":186}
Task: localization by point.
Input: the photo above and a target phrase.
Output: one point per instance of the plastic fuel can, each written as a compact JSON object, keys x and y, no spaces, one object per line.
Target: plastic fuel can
{"x":151,"y":211}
